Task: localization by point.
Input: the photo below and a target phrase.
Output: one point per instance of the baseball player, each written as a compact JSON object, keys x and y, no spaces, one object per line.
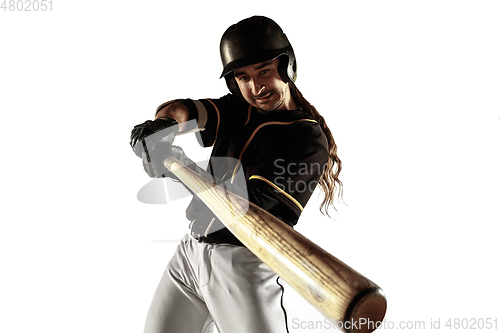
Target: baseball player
{"x":268,"y":132}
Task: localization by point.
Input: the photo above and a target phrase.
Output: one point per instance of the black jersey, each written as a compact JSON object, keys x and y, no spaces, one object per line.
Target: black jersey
{"x":282,"y":155}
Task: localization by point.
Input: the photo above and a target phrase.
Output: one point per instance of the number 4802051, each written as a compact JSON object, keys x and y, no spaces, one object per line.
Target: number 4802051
{"x":26,"y":5}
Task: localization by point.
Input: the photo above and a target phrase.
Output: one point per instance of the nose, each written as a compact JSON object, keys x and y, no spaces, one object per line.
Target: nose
{"x":257,"y":87}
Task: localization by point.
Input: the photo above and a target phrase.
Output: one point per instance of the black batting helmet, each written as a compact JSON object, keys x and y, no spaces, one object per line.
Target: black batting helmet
{"x":255,"y":40}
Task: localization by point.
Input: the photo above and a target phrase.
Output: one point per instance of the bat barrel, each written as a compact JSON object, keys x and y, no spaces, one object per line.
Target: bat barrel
{"x":354,"y":302}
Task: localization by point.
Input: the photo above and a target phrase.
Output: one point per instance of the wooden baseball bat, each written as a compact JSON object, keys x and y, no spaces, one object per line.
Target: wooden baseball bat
{"x":353,"y":302}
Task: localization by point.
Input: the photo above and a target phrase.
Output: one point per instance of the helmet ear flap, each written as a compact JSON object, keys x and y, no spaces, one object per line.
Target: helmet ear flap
{"x":287,"y":67}
{"x":292,"y":68}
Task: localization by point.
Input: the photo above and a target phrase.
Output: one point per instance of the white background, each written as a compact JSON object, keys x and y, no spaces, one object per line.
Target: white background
{"x":410,"y":90}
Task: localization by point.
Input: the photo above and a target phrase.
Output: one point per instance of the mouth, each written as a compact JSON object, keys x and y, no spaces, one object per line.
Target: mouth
{"x":263,"y":98}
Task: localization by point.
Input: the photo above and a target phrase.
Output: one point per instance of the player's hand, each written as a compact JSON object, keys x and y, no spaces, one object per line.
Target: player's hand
{"x":152,"y":132}
{"x":153,"y":160}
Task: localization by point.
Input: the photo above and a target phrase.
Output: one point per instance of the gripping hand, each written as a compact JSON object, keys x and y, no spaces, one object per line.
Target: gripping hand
{"x":159,"y":131}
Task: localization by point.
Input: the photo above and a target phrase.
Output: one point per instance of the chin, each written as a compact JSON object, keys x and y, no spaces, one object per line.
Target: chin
{"x":265,"y":108}
{"x":269,"y":106}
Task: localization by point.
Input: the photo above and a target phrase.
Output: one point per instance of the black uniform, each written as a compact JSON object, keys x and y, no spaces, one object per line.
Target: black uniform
{"x":282,"y":153}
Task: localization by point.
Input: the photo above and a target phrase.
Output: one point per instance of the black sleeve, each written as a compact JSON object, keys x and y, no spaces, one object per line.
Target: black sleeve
{"x":215,"y":115}
{"x":284,"y":181}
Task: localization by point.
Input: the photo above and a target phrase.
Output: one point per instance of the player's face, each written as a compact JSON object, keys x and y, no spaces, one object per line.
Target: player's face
{"x":262,"y":86}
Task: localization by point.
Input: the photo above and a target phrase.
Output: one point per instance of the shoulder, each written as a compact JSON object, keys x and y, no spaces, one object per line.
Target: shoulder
{"x":294,"y":125}
{"x":227,"y":101}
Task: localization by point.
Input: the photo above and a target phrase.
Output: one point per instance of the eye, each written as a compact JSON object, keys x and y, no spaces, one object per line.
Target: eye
{"x":264,"y":71}
{"x":243,"y":78}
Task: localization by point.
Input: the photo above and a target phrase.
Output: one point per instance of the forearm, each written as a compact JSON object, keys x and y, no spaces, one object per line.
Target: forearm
{"x":175,"y":110}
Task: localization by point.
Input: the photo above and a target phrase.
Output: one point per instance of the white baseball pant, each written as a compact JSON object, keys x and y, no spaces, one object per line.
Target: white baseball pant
{"x":216,"y":284}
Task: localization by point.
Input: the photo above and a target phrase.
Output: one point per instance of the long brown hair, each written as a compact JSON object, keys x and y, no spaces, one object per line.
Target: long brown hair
{"x":329,"y":182}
